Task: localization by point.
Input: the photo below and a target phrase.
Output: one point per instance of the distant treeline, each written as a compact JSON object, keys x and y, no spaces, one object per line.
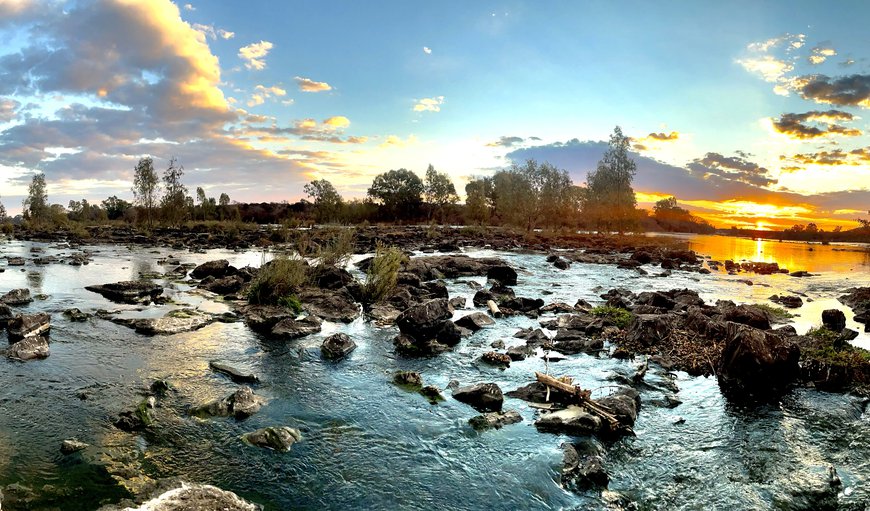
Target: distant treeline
{"x":810,"y":232}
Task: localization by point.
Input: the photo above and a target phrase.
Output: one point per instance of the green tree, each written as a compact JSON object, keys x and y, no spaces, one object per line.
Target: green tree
{"x":478,"y":200}
{"x":175,"y":201}
{"x":399,"y":191}
{"x":669,"y":208}
{"x":115,"y":207}
{"x":610,"y":202}
{"x":224,"y":202}
{"x":327,"y":201}
{"x":534,"y":194}
{"x":438,"y":191}
{"x":36,"y":207}
{"x":145,"y":186}
{"x":2,"y":212}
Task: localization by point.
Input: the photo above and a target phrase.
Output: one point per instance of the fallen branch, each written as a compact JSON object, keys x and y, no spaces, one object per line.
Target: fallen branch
{"x":584,"y":398}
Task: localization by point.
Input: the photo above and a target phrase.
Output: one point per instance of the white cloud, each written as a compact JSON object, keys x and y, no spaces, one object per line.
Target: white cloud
{"x":427,"y":50}
{"x":226,"y":34}
{"x":189,"y":7}
{"x":7,"y":109}
{"x":429,"y":104}
{"x":767,"y":66}
{"x":254,"y":55}
{"x":309,"y":85}
{"x":262,"y":93}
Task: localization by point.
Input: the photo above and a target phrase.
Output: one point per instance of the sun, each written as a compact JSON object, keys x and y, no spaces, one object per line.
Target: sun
{"x":759,"y":226}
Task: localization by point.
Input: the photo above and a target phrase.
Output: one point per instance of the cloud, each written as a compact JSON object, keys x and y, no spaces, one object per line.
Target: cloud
{"x":338,"y":122}
{"x":7,"y":109}
{"x":733,"y":168}
{"x":254,"y":55}
{"x":225,"y":34}
{"x":189,"y":7}
{"x":796,"y":125}
{"x":859,"y":156}
{"x":309,"y":85}
{"x":653,"y":140}
{"x":213,"y":33}
{"x":821,"y":54}
{"x":790,"y":41}
{"x":396,"y":141}
{"x":262,"y":93}
{"x":768,"y":67}
{"x":329,"y":130}
{"x":427,"y":50}
{"x":509,"y":141}
{"x":429,"y":104}
{"x":851,"y":90}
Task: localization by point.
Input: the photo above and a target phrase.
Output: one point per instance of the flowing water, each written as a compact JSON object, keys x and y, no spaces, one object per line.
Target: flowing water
{"x":368,"y":444}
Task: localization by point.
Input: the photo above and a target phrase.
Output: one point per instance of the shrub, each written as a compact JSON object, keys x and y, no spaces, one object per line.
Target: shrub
{"x":777,"y":314}
{"x":291,"y":302}
{"x":383,"y":273}
{"x":277,"y":281}
{"x":616,"y":315}
{"x":337,"y":250}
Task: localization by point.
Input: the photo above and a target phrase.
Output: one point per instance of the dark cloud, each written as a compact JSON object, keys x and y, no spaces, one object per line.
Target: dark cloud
{"x":509,"y":141}
{"x":731,"y":168}
{"x":797,"y":125}
{"x":664,"y":136}
{"x":8,"y":108}
{"x":852,"y":90}
{"x":859,"y":156}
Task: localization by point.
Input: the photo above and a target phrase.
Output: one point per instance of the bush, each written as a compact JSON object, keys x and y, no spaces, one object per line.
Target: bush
{"x":383,"y":273}
{"x":777,"y":314}
{"x":291,"y":302}
{"x":277,"y":281}
{"x":616,"y":315}
{"x":337,"y":250}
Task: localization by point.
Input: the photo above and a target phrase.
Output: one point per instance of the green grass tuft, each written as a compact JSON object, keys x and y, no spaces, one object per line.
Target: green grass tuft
{"x":278,"y":280}
{"x":616,"y":315}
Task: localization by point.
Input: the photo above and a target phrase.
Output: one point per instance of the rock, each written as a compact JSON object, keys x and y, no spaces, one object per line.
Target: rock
{"x":585,"y":470}
{"x":159,"y":387}
{"x":409,"y":378}
{"x":29,"y":349}
{"x":241,"y":404}
{"x":523,"y":304}
{"x":497,"y":344}
{"x":483,"y":397}
{"x":291,"y":328}
{"x":15,"y":261}
{"x":787,"y":301}
{"x":423,"y":321}
{"x":748,"y":315}
{"x":475,"y":321}
{"x":450,"y":334}
{"x":573,"y":420}
{"x":71,"y":446}
{"x":432,"y":393}
{"x":506,"y":275}
{"x":834,"y":320}
{"x":136,"y":419}
{"x":230,"y":284}
{"x":496,"y":359}
{"x":76,"y":315}
{"x":331,"y":277}
{"x":812,"y":488}
{"x":16,"y":297}
{"x":801,"y":273}
{"x":234,"y":374}
{"x":846,"y":335}
{"x":193,"y":497}
{"x":495,"y":420}
{"x":624,"y":404}
{"x":655,"y":299}
{"x":561,"y":264}
{"x":649,"y":329}
{"x":174,"y":322}
{"x":131,"y":291}
{"x":756,"y":363}
{"x":6,"y":315}
{"x":279,"y":438}
{"x":457,"y":303}
{"x":517,"y":353}
{"x":383,"y":313}
{"x":28,"y":325}
{"x":263,"y":318}
{"x":216,"y":269}
{"x":571,"y":342}
{"x":330,"y":305}
{"x":337,"y":346}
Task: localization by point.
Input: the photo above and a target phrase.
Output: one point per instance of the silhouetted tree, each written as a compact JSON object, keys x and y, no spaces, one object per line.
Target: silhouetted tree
{"x":175,"y":200}
{"x":610,"y":202}
{"x":145,"y":185}
{"x":115,"y":207}
{"x":36,"y":207}
{"x":399,"y":191}
{"x":327,"y":201}
{"x":478,"y":200}
{"x":438,"y":190}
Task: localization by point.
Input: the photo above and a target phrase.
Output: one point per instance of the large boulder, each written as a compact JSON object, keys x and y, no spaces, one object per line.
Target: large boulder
{"x":225,"y":285}
{"x":522,"y":304}
{"x":16,"y":297}
{"x":834,"y":320}
{"x":747,"y":315}
{"x":506,"y":275}
{"x":28,"y":325}
{"x":423,"y":321}
{"x":292,"y":328}
{"x":130,"y":291}
{"x":330,"y":305}
{"x":337,"y":346}
{"x":234,"y":374}
{"x":573,"y":420}
{"x":756,"y":363}
{"x":6,"y":315}
{"x":241,"y":404}
{"x":483,"y":397}
{"x":263,"y":318}
{"x":582,"y":465}
{"x":29,"y":349}
{"x":193,"y":497}
{"x":495,"y":420}
{"x":475,"y":321}
{"x":216,"y":269}
{"x":331,"y":277}
{"x":279,"y":438}
{"x":649,"y":329}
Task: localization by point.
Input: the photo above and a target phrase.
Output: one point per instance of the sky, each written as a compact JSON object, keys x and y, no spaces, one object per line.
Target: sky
{"x":750,"y":113}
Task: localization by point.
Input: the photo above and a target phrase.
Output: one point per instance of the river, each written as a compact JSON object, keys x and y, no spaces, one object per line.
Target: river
{"x":368,"y":444}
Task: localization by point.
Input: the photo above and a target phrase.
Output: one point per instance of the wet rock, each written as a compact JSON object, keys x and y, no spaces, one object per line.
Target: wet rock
{"x":193,"y":497}
{"x":558,"y":308}
{"x":481,"y":297}
{"x":131,"y":291}
{"x":649,"y":329}
{"x":569,"y":342}
{"x":582,"y":468}
{"x":424,"y":320}
{"x":216,"y":269}
{"x":655,"y":299}
{"x":76,"y":315}
{"x":337,"y":346}
{"x":498,"y":344}
{"x":561,"y":264}
{"x":330,"y":305}
{"x":522,"y":304}
{"x":280,"y":438}
{"x":291,"y":328}
{"x":241,"y":404}
{"x":135,"y":420}
{"x":224,"y":286}
{"x":573,"y":420}
{"x":809,"y":489}
{"x":801,"y":273}
{"x":28,"y":325}
{"x":15,"y":261}
{"x":263,"y":318}
{"x":71,"y":446}
{"x":6,"y":315}
{"x":432,"y":394}
{"x":409,"y":378}
{"x":517,"y":353}
{"x":475,"y":321}
{"x":483,"y":397}
{"x":756,"y":363}
{"x":174,"y":322}
{"x":29,"y":349}
{"x":410,"y":347}
{"x":16,"y":297}
{"x":787,"y":301}
{"x":457,"y":303}
{"x":747,"y":315}
{"x":331,"y":277}
{"x":504,"y":274}
{"x":624,"y":404}
{"x":846,"y":335}
{"x":495,"y":420}
{"x":383,"y":313}
{"x":233,"y":373}
{"x":834,"y":320}
{"x":496,"y":359}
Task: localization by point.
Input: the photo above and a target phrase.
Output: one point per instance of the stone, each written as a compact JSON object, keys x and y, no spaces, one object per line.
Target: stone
{"x":291,"y":328}
{"x":236,"y":375}
{"x":573,"y":420}
{"x":787,"y":301}
{"x":330,"y":305}
{"x":495,"y":420}
{"x":174,"y":322}
{"x":457,"y":303}
{"x":241,"y":404}
{"x":423,"y":321}
{"x":337,"y":346}
{"x":748,"y":315}
{"x":76,"y":315}
{"x":263,"y":318}
{"x":834,"y":320}
{"x":496,"y":359}
{"x":28,"y":325}
{"x":506,"y":275}
{"x":280,"y":438}
{"x":585,"y":470}
{"x":6,"y":315}
{"x":193,"y":497}
{"x":72,"y":446}
{"x":649,"y":329}
{"x":217,"y":269}
{"x":756,"y":363}
{"x":409,"y":378}
{"x":475,"y":321}
{"x":29,"y":349}
{"x":130,"y":291}
{"x":483,"y":397}
{"x":16,"y":297}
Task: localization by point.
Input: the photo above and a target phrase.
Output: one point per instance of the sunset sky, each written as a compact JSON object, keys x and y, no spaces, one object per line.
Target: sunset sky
{"x":748,"y":112}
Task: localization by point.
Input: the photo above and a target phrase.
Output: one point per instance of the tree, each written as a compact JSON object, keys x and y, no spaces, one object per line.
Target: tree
{"x":2,"y":212}
{"x":610,"y":202}
{"x":145,"y":184}
{"x":174,"y":201}
{"x":115,"y":207}
{"x":438,"y":190}
{"x":399,"y":191}
{"x":531,"y":194}
{"x":327,"y":201}
{"x":478,"y":200}
{"x":36,"y":204}
{"x":224,"y":202}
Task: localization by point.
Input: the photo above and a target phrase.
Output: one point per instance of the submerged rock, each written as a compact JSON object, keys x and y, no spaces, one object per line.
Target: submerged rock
{"x":29,"y":349}
{"x":495,"y":420}
{"x":234,"y":374}
{"x":71,"y":446}
{"x":279,"y":438}
{"x":409,"y":378}
{"x":130,"y":291}
{"x":241,"y":404}
{"x":16,"y":297}
{"x":174,"y":322}
{"x":76,"y":315}
{"x":582,"y":468}
{"x":483,"y":397}
{"x":28,"y":325}
{"x":337,"y":346}
{"x":475,"y":321}
{"x":290,"y":328}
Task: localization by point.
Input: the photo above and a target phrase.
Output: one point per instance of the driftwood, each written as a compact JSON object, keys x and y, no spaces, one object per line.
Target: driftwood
{"x":493,"y":308}
{"x":584,"y":398}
